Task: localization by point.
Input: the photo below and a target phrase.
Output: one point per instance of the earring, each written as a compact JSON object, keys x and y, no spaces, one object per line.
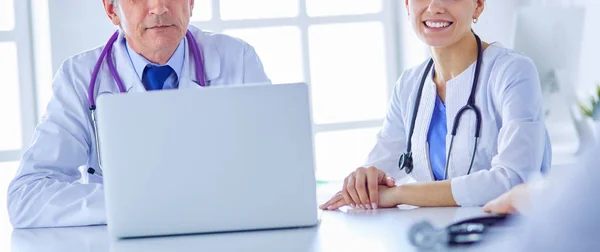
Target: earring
{"x":475,"y":20}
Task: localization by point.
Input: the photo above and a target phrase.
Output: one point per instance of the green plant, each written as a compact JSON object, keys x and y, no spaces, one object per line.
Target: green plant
{"x":594,"y":104}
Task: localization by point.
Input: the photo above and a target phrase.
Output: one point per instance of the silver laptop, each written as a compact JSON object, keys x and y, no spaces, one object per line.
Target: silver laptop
{"x":207,"y":160}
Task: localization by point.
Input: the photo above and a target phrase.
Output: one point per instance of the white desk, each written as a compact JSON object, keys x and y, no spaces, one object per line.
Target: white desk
{"x":355,"y":230}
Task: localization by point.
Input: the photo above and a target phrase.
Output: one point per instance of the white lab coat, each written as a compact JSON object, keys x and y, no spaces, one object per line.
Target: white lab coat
{"x":49,"y":190}
{"x":513,"y":145}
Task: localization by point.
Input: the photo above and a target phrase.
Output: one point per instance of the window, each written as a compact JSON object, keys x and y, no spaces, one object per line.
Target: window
{"x":17,"y":113}
{"x":202,"y":10}
{"x":7,"y":172}
{"x":280,"y":50}
{"x":350,"y":69}
{"x":340,"y":152}
{"x":7,"y":15}
{"x":10,"y":129}
{"x":321,"y":8}
{"x":346,"y":50}
{"x":258,"y":9}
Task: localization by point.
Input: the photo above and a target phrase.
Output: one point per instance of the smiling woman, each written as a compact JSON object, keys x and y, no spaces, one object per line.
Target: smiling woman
{"x":446,"y":113}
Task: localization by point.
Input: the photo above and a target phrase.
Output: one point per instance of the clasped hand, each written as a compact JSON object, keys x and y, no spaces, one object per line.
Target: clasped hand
{"x":366,"y":188}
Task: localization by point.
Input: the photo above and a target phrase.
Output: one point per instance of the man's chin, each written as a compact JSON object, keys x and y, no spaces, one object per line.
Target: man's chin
{"x":164,"y":40}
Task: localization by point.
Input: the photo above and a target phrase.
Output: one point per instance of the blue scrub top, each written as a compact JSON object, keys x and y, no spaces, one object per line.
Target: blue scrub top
{"x":436,"y":137}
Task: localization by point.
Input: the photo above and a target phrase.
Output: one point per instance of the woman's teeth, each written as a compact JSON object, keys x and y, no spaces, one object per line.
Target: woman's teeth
{"x":437,"y":24}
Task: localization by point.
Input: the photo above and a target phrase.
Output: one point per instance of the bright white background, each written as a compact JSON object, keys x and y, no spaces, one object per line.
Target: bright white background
{"x":350,"y":52}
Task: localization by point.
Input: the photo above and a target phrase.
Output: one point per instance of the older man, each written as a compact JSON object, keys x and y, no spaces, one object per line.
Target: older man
{"x":151,"y":52}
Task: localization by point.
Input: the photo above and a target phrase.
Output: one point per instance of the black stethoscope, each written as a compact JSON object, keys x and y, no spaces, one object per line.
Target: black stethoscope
{"x":424,"y":235}
{"x":406,"y":160}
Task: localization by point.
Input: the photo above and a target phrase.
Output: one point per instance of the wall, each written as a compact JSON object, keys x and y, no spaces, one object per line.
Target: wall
{"x":496,"y":24}
{"x":589,"y":71}
{"x":589,"y":68}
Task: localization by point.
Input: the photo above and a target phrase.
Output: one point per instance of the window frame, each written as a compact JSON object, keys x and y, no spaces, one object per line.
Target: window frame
{"x":21,"y":36}
{"x":390,"y":17}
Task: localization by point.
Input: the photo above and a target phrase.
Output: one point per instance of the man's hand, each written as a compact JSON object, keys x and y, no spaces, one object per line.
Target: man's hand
{"x":361,"y":189}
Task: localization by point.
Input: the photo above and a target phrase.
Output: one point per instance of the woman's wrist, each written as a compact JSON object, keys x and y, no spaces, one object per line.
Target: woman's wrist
{"x":398,"y":195}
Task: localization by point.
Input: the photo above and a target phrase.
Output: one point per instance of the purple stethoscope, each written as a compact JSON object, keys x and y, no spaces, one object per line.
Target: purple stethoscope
{"x":106,"y":53}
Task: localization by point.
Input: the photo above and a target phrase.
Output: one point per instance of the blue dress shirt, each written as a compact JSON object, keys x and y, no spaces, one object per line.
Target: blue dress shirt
{"x":175,"y":62}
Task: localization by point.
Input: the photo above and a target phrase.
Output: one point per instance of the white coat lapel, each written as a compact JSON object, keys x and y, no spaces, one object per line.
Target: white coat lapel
{"x":422,"y":170}
{"x":125,"y":70}
{"x":212,"y":60}
{"x":457,"y":95}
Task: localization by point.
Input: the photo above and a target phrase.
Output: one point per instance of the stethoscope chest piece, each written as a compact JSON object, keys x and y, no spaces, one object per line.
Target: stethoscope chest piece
{"x":406,"y":162}
{"x":425,"y":236}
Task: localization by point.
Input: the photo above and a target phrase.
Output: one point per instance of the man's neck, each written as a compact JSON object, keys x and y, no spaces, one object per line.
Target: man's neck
{"x":159,"y":57}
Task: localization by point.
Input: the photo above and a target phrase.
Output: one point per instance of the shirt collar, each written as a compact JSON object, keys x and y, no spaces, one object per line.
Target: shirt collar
{"x":176,"y":61}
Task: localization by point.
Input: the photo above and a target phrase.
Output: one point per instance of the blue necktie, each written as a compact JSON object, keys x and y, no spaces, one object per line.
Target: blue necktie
{"x":155,"y":76}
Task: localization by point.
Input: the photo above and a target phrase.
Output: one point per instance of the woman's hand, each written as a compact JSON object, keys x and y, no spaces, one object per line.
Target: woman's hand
{"x":361,"y":189}
{"x":388,"y":198}
{"x":514,"y":201}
